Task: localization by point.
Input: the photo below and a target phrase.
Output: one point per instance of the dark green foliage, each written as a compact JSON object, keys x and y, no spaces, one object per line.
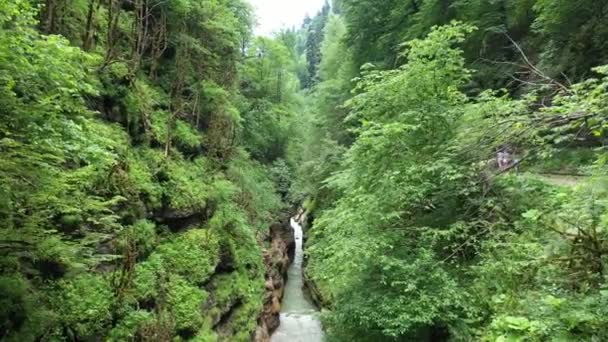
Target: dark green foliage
{"x":19,"y":310}
{"x":558,"y":36}
{"x":314,"y":39}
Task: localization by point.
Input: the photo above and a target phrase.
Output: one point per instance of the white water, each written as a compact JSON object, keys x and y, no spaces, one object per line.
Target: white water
{"x":299,"y":317}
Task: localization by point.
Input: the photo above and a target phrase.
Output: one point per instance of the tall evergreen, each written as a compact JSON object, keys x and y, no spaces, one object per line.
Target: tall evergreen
{"x":314,"y":39}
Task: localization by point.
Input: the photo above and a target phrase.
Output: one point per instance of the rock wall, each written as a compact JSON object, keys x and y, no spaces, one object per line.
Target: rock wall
{"x":277,"y":258}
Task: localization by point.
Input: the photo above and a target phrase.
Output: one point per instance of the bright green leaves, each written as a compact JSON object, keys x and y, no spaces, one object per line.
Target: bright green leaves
{"x":123,"y":180}
{"x":187,"y":185}
{"x":85,"y":305}
{"x":193,"y":255}
{"x":428,"y":237}
{"x":57,"y":161}
{"x":37,"y":73}
{"x":558,"y":319}
{"x":256,"y":192}
{"x":270,"y":85}
{"x":407,"y":115}
{"x":333,"y":50}
{"x":185,"y":300}
{"x":420,"y":91}
{"x":128,"y":327}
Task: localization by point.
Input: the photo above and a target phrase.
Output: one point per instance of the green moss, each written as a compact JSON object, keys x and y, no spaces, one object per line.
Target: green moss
{"x":243,"y":321}
{"x":187,"y":188}
{"x":205,"y":335}
{"x":129,"y":327}
{"x":238,"y":239}
{"x":183,"y":262}
{"x":141,"y":236}
{"x":142,"y":165}
{"x":237,"y":285}
{"x":192,"y":255}
{"x":145,"y":280}
{"x":226,"y":288}
{"x":183,"y":183}
{"x":185,"y":301}
{"x":245,"y":285}
{"x":227,"y":216}
{"x":237,"y":289}
{"x":85,"y":304}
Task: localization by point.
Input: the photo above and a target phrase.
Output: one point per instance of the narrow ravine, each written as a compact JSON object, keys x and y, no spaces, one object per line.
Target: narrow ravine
{"x":299,"y":317}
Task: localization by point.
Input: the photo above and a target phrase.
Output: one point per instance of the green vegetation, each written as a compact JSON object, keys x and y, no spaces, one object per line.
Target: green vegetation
{"x":450,"y":154}
{"x":139,"y":145}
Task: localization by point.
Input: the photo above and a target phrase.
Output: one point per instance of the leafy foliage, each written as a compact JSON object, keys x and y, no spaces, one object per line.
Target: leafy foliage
{"x":147,"y":146}
{"x":125,"y":185}
{"x":418,"y":235}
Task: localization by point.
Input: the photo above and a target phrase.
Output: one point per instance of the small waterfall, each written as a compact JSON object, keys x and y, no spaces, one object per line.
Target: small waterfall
{"x":299,"y":317}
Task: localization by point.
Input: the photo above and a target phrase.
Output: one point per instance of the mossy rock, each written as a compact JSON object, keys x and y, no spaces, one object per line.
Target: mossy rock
{"x":84,"y":304}
{"x":186,"y":302}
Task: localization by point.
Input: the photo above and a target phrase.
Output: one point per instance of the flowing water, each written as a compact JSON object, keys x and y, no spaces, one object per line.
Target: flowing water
{"x":299,"y":317}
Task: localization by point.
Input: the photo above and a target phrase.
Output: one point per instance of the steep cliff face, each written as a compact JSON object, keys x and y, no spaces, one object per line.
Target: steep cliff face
{"x":277,"y":258}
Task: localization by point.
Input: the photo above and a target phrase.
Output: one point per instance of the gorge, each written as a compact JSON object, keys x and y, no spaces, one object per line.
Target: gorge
{"x":299,"y":317}
{"x":449,"y":156}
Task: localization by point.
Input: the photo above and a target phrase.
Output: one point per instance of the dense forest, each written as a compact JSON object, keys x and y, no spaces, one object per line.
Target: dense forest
{"x":449,"y":155}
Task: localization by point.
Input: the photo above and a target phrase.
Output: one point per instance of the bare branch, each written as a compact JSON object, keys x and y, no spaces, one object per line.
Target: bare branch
{"x":534,"y":69}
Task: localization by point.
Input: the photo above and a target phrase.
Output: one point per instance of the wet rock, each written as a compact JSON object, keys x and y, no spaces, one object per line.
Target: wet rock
{"x":277,"y":259}
{"x":261,"y":333}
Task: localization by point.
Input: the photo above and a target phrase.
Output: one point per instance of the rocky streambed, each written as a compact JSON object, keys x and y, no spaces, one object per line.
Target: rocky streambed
{"x":299,"y":320}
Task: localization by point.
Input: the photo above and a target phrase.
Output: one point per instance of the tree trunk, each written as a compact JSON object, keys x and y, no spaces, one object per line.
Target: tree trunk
{"x":113,"y":17}
{"x":87,"y":39}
